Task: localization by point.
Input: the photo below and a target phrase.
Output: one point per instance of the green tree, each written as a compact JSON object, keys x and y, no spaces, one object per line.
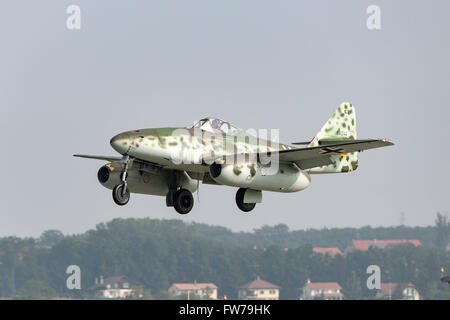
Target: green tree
{"x":50,"y":237}
{"x":398,"y":292}
{"x":156,"y":253}
{"x":35,"y":290}
{"x":352,"y":288}
{"x":441,"y":237}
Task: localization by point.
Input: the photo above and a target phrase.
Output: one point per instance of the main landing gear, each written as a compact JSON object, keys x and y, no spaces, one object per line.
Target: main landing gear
{"x":246,"y":207}
{"x":183,"y":201}
{"x":179,"y":198}
{"x":121,"y":193}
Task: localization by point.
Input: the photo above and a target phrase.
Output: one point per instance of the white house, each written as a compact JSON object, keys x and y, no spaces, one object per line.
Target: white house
{"x":202,"y":290}
{"x":259,"y":290}
{"x":321,"y":290}
{"x":389,"y":290}
{"x":117,"y":287}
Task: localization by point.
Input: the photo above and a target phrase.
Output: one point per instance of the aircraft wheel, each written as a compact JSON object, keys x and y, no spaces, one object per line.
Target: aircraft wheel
{"x":120,"y":198}
{"x":183,"y":201}
{"x":246,"y":207}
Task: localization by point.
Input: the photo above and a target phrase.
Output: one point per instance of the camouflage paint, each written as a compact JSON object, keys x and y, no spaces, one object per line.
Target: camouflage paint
{"x":341,"y":126}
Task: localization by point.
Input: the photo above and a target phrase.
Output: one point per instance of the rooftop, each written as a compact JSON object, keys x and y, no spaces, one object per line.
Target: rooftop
{"x":331,"y":251}
{"x":194,"y":286}
{"x":388,"y":288}
{"x":323,"y":285}
{"x":364,"y":245}
{"x":259,"y":284}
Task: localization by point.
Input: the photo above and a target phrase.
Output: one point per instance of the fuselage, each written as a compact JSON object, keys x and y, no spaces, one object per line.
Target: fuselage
{"x":188,"y":148}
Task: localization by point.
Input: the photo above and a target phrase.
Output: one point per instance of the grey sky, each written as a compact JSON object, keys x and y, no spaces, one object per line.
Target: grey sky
{"x":257,"y":64}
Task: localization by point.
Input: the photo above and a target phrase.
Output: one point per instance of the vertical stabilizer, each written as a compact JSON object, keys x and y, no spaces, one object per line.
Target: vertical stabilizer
{"x":340,"y":127}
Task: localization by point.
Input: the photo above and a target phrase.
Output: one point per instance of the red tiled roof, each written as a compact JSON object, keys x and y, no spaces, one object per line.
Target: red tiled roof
{"x":259,"y":284}
{"x":331,"y":251}
{"x":365,"y":244}
{"x":323,"y":285}
{"x":194,"y":286}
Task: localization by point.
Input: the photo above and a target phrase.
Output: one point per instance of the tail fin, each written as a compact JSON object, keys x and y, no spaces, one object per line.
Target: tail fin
{"x":341,"y":126}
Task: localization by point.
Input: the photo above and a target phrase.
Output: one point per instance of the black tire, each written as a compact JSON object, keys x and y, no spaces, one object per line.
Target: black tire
{"x":246,"y":207}
{"x":183,"y":201}
{"x":118,"y":198}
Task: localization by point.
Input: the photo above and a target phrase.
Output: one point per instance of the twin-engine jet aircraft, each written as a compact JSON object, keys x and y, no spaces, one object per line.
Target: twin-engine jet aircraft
{"x":170,"y":162}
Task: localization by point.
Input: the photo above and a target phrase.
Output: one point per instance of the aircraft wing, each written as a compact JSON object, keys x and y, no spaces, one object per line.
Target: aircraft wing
{"x":105,"y":158}
{"x":311,"y":157}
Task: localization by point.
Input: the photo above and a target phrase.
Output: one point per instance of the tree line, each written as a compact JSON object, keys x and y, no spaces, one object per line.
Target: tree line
{"x":156,"y":253}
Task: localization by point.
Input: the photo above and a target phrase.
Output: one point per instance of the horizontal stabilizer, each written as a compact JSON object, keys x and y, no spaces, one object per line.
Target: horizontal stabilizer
{"x":326,"y":154}
{"x":330,"y":149}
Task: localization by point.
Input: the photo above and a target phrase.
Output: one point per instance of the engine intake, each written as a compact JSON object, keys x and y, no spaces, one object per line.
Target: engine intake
{"x":103,"y":174}
{"x":215,"y":170}
{"x":140,"y":181}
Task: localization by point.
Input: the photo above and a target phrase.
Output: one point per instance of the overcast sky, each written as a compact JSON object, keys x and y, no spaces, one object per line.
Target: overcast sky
{"x":258,"y":64}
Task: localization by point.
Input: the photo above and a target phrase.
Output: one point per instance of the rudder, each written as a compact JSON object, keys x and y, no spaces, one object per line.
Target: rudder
{"x":340,"y":127}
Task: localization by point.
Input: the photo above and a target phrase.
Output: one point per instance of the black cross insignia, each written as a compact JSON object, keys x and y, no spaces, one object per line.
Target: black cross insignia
{"x":332,"y":150}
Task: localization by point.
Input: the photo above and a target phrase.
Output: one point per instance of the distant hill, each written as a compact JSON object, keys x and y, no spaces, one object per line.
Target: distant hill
{"x":156,"y":253}
{"x":280,"y":235}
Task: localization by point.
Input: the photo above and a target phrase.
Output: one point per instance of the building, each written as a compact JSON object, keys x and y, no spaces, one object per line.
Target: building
{"x":402,"y":291}
{"x":332,"y":252}
{"x":364,"y":245}
{"x":202,"y":290}
{"x":259,"y":290}
{"x":321,"y":291}
{"x":117,"y":287}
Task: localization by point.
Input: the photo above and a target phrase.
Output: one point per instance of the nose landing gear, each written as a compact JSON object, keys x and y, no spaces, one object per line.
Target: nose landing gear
{"x":121,"y":193}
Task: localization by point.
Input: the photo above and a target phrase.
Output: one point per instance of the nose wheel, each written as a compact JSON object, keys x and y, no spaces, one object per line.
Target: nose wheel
{"x":121,"y":193}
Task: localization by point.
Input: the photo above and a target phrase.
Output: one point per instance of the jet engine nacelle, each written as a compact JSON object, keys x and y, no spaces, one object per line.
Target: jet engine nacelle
{"x":142,"y":182}
{"x":288,"y":177}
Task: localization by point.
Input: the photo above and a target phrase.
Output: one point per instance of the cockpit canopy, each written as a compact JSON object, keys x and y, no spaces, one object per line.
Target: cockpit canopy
{"x":216,"y":125}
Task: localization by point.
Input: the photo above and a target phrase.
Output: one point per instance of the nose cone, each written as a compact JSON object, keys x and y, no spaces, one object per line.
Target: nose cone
{"x":121,"y":143}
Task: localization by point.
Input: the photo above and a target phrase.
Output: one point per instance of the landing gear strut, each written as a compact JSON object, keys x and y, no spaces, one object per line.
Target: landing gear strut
{"x":121,"y":193}
{"x":246,"y":207}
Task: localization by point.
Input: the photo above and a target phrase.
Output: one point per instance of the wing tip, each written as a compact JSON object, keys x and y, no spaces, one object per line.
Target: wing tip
{"x":387,"y":142}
